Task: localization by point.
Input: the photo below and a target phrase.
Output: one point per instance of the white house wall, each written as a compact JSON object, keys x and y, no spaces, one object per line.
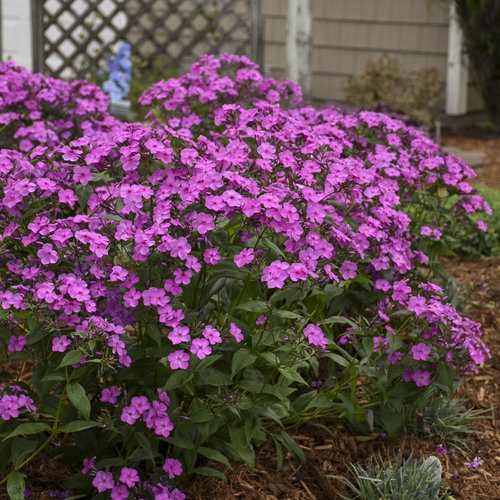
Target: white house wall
{"x":16,"y":32}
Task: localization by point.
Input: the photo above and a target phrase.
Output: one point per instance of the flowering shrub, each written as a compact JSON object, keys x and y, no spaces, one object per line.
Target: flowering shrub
{"x":39,"y":110}
{"x":189,"y":103}
{"x":184,"y":296}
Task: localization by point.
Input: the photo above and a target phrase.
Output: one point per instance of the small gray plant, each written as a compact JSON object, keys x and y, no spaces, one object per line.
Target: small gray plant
{"x":409,"y":479}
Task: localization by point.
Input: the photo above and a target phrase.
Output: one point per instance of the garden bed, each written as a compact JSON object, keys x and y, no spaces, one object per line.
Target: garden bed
{"x":240,"y":279}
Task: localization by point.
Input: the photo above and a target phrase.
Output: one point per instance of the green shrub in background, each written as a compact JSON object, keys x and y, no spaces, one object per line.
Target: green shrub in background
{"x":385,"y":86}
{"x":480,"y":22}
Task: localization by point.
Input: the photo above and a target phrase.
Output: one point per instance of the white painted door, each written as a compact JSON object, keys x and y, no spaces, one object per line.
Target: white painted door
{"x":16,"y":32}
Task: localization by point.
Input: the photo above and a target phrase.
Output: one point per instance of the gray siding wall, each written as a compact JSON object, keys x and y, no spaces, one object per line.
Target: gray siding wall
{"x":348,"y":33}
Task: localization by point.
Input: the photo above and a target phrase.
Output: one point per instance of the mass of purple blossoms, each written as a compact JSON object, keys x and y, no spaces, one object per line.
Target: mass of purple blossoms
{"x":107,"y":228}
{"x":36,"y":110}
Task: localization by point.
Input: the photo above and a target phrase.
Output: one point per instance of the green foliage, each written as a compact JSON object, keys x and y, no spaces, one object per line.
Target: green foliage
{"x":480,"y":20}
{"x":469,"y":241}
{"x":385,"y":86}
{"x":409,"y":479}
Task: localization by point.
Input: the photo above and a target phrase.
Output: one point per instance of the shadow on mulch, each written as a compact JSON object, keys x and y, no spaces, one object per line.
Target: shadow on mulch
{"x":329,"y":456}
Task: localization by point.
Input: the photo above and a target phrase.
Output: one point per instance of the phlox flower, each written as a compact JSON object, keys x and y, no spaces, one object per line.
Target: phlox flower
{"x":315,"y":336}
{"x":200,"y":348}
{"x":211,"y":256}
{"x":16,"y":343}
{"x":110,"y":394}
{"x":88,"y":464}
{"x":130,"y":415}
{"x":244,"y":257}
{"x":422,"y":378}
{"x":420,"y":352}
{"x":178,"y":360}
{"x":47,"y":255}
{"x":118,"y":273}
{"x":103,"y":481}
{"x":212,"y":335}
{"x":348,"y":270}
{"x":120,"y":492}
{"x":236,"y":332}
{"x":179,"y":334}
{"x":172,"y":467}
{"x":129,"y":476}
{"x":60,"y":344}
{"x":163,"y":426}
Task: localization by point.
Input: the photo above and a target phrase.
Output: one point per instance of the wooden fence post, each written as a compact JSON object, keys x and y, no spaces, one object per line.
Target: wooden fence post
{"x":299,"y":44}
{"x":457,"y":76}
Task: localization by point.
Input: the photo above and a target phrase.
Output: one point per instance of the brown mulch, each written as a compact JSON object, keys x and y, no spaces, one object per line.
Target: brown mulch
{"x":329,"y":455}
{"x":328,"y":459}
{"x":481,"y":278}
{"x":489,"y":173}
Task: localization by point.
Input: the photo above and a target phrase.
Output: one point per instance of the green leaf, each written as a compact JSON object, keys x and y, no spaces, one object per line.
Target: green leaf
{"x":291,"y":374}
{"x":71,"y":358}
{"x":287,"y":315}
{"x":78,"y":425}
{"x":21,"y":448}
{"x":238,"y":446}
{"x":28,"y":428}
{"x":337,"y":319}
{"x":338,"y":359}
{"x":292,"y":446}
{"x":155,"y":333}
{"x":53,"y":377}
{"x":256,"y":306}
{"x":16,"y":486}
{"x":241,"y":359}
{"x":145,"y":444}
{"x":180,"y":443}
{"x":214,"y":455}
{"x":392,"y":421}
{"x":273,"y":247}
{"x":208,"y":471}
{"x":78,"y":398}
{"x":279,"y":453}
{"x":212,"y":376}
{"x":178,"y":379}
{"x":110,"y":462}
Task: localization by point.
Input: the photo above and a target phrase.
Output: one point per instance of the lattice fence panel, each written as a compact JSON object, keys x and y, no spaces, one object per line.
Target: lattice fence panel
{"x":72,"y":35}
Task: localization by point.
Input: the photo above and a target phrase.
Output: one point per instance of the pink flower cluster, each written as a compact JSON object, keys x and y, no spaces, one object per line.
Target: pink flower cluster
{"x":152,"y":413}
{"x":189,"y":104}
{"x":13,"y":400}
{"x":126,"y":481}
{"x":39,"y":110}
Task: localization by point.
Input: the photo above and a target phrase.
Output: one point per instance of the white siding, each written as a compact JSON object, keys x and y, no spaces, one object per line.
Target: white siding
{"x":16,"y":31}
